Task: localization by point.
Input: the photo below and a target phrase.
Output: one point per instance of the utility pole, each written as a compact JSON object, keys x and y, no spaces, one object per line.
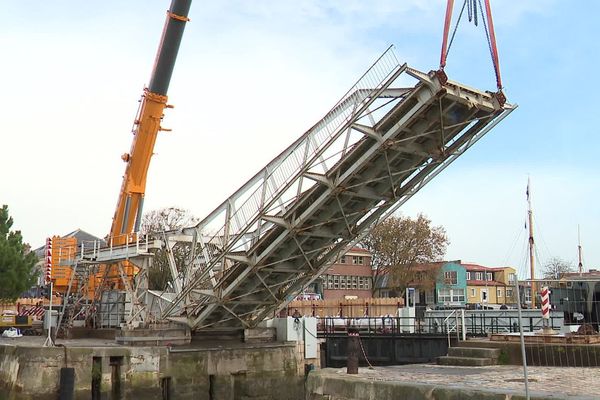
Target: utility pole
{"x":531,"y":248}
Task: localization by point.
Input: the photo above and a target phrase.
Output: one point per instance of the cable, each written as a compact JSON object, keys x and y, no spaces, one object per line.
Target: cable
{"x":513,"y":245}
{"x":489,"y":41}
{"x":307,"y":331}
{"x":364,"y":353}
{"x":523,"y":269}
{"x":539,"y":230}
{"x":456,"y":28}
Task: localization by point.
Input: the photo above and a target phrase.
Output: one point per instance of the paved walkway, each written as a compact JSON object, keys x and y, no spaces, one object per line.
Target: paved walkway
{"x":555,"y":382}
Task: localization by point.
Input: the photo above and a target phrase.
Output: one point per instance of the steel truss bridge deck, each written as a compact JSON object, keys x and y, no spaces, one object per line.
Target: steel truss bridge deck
{"x":382,"y":142}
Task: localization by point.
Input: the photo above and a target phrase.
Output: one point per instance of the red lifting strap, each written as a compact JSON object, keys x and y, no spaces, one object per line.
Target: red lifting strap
{"x":449,"y":8}
{"x":492,"y":39}
{"x":495,"y":60}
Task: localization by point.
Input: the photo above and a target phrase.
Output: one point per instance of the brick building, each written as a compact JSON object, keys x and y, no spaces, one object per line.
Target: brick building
{"x":348,"y":278}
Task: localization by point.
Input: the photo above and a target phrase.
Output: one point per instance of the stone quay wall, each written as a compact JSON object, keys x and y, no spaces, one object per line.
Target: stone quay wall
{"x":221,"y":372}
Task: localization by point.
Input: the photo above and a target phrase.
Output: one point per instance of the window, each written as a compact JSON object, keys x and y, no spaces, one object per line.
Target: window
{"x":468,"y":276}
{"x":489,"y":276}
{"x":458,"y":295}
{"x":450,"y":277}
{"x":511,"y":278}
{"x":444,"y":296}
{"x":357,"y":260}
{"x":367,"y":283}
{"x":473,"y":292}
{"x":343,"y":260}
{"x":343,"y":282}
{"x":355,"y":282}
{"x":509,"y":293}
{"x":479,"y":276}
{"x":451,"y":295}
{"x":429,"y":299}
{"x":499,"y":293}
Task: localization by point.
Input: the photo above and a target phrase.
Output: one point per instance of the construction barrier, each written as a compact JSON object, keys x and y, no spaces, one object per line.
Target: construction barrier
{"x":344,"y":308}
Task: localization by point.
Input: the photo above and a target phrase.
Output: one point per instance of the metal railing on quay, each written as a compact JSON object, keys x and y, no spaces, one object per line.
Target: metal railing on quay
{"x":373,"y":326}
{"x":479,"y":323}
{"x":462,"y":323}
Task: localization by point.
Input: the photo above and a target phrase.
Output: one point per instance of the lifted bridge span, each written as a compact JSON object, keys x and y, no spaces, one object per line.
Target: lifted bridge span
{"x":387,"y":137}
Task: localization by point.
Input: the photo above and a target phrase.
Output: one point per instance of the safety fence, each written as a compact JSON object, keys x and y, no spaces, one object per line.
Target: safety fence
{"x":575,"y":300}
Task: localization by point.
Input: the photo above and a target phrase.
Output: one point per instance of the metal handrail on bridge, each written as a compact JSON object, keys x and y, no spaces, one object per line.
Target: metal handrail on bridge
{"x":95,"y":250}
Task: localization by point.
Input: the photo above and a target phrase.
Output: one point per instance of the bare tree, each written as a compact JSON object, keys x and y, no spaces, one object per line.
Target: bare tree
{"x":156,"y":222}
{"x":166,"y":219}
{"x":399,"y":245}
{"x":556,"y":268}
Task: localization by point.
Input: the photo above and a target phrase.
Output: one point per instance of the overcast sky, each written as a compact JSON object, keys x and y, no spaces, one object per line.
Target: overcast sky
{"x":252,"y":76}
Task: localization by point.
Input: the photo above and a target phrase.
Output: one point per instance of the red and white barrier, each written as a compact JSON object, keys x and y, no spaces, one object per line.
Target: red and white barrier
{"x":48,"y":261}
{"x":34,"y":311}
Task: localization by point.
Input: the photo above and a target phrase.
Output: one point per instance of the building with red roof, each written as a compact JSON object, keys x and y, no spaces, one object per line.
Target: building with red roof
{"x":490,"y":285}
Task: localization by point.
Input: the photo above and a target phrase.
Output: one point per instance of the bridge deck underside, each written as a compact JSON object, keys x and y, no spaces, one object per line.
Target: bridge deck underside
{"x":419,"y":134}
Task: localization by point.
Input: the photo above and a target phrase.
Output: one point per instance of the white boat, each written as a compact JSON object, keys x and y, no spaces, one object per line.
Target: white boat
{"x":12,"y":333}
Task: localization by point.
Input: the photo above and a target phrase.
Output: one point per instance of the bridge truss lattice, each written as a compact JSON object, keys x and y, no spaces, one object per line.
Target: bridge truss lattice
{"x":387,"y":137}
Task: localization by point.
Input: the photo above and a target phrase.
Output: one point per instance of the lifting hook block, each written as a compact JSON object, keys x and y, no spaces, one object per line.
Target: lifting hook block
{"x":441,"y":75}
{"x":499,"y":95}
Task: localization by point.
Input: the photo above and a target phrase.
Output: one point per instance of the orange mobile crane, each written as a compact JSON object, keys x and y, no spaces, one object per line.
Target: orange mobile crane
{"x":128,"y":213}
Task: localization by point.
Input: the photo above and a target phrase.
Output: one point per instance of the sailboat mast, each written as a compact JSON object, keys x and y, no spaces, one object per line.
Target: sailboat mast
{"x":531,"y":248}
{"x":579,"y":251}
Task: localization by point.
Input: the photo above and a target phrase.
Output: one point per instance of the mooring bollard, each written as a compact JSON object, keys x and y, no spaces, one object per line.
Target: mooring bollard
{"x":352,"y":350}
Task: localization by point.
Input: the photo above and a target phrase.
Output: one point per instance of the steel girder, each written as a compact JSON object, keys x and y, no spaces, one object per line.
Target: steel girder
{"x":377,"y":147}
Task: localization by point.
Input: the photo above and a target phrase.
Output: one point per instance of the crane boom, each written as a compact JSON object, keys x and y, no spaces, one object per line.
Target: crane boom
{"x":128,"y":213}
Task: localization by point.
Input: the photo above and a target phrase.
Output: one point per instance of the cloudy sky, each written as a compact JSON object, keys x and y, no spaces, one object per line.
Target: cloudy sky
{"x":252,"y":76}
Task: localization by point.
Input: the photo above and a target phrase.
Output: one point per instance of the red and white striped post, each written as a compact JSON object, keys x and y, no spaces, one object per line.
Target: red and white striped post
{"x":547,"y":329}
{"x":545,"y":303}
{"x":48,"y":262}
